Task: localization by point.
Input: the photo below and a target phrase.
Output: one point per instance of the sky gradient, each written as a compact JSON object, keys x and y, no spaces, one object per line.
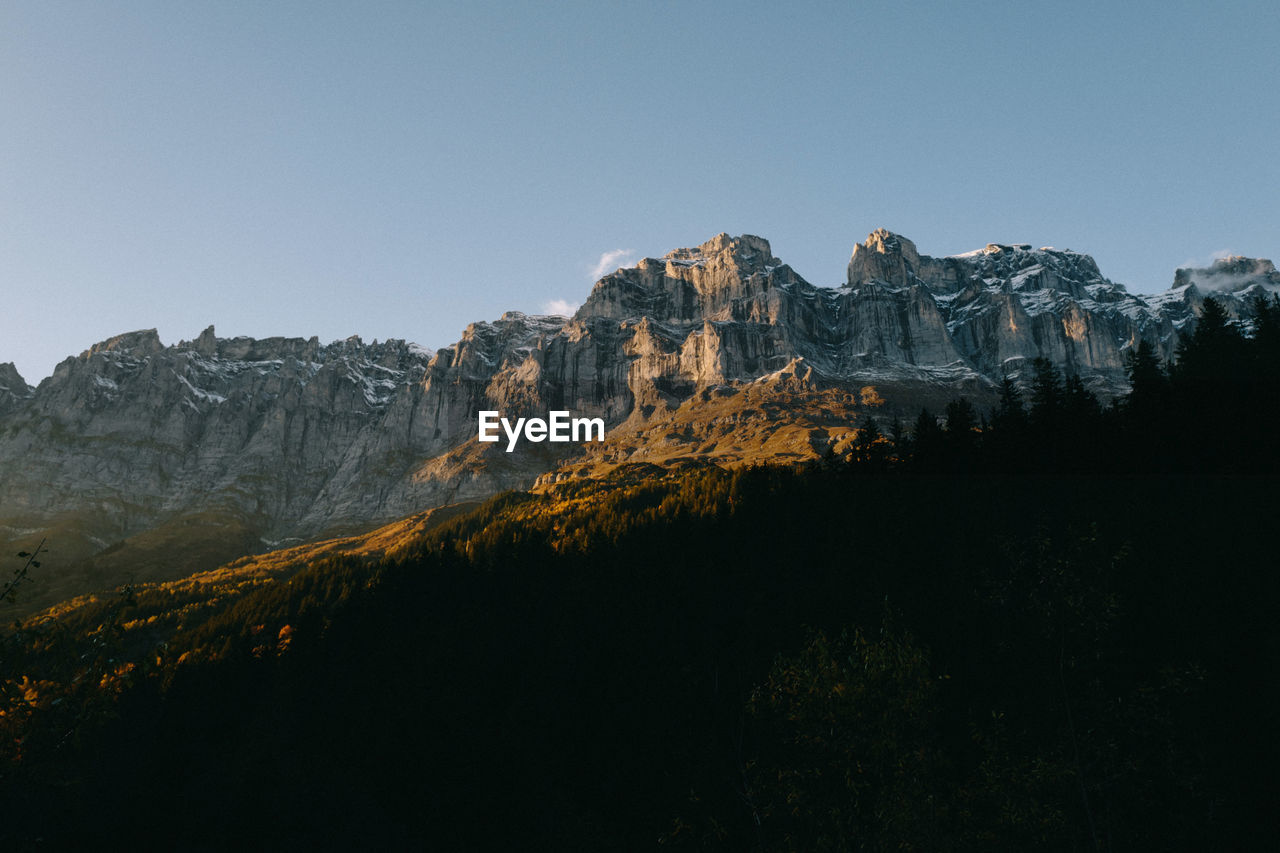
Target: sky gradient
{"x":403,"y":169}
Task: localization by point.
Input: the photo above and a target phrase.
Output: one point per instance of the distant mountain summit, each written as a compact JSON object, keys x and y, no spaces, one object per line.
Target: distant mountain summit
{"x":1234,"y":274}
{"x":722,"y":354}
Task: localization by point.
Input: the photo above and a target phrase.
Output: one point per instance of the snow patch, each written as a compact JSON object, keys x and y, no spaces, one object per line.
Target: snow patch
{"x":200,"y":393}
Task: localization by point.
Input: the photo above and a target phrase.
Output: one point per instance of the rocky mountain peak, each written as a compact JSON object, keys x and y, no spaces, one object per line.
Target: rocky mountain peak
{"x":892,"y":259}
{"x":1000,"y":248}
{"x":139,"y":344}
{"x":13,"y":388}
{"x":1233,"y":273}
{"x":1005,"y":260}
{"x":882,"y":241}
{"x":689,"y":285}
{"x":207,"y":343}
{"x":884,"y":256}
{"x":747,"y":249}
{"x":11,"y":380}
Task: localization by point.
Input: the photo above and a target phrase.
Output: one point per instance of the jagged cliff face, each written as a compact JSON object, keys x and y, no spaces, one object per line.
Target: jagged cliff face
{"x":1233,"y":275}
{"x":1004,"y":305}
{"x":730,"y":311}
{"x":720,"y":353}
{"x":13,"y":388}
{"x":139,"y":431}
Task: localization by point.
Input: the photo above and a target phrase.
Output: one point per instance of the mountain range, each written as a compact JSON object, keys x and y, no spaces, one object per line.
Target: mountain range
{"x":142,"y":461}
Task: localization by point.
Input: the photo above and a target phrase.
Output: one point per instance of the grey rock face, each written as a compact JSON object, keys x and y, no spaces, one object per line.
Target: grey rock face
{"x":1233,"y":281}
{"x":13,"y":388}
{"x":295,"y":438}
{"x":1007,"y":304}
{"x":1232,"y":275}
{"x":141,"y":431}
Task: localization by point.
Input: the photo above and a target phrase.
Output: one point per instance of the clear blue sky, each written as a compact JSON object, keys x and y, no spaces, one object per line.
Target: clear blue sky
{"x":402,"y":169}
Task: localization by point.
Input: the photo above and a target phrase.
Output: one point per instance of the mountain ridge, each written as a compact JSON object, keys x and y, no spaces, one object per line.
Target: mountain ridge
{"x":284,"y":439}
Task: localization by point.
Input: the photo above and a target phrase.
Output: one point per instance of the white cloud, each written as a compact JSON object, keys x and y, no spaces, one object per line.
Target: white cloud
{"x":610,"y":261}
{"x":560,"y":307}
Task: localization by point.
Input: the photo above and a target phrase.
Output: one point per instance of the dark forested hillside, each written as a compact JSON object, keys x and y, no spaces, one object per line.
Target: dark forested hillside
{"x":1049,"y":626}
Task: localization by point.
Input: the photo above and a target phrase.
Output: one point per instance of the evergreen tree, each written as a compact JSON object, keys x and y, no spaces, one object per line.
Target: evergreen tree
{"x":1210,"y":355}
{"x":870,"y":432}
{"x":1146,"y":406}
{"x":898,"y":435}
{"x":1047,"y":393}
{"x":926,"y":440}
{"x":1079,"y":404}
{"x":961,"y":434}
{"x":1008,"y":435}
{"x":868,"y":447}
{"x":1265,"y":374}
{"x":1010,"y":414}
{"x":1266,"y":332}
{"x":1147,"y":379}
{"x":962,"y":417}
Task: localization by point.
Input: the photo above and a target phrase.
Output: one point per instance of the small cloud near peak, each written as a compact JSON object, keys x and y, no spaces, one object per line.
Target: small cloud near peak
{"x":610,"y":261}
{"x":559,"y":307}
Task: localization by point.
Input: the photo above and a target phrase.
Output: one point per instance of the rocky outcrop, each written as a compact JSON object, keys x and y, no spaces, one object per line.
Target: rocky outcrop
{"x":1234,"y":281}
{"x":1004,"y":305}
{"x":13,"y":388}
{"x":1232,"y":274}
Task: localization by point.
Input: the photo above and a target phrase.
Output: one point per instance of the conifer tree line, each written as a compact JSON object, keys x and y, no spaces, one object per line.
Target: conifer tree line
{"x":1050,"y":626}
{"x":1219,"y":395}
